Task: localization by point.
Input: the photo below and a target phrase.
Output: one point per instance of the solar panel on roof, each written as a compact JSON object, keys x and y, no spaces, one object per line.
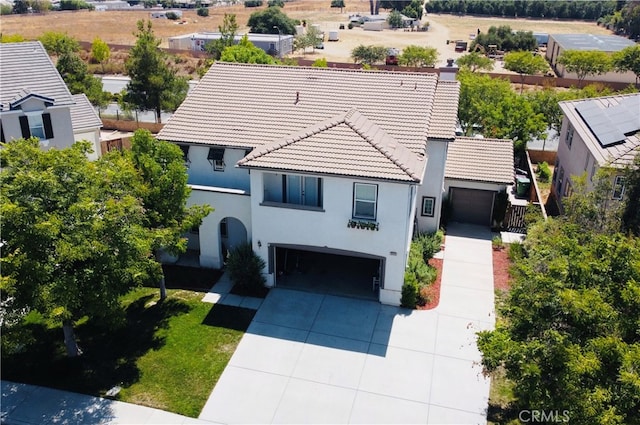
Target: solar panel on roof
{"x":600,"y":124}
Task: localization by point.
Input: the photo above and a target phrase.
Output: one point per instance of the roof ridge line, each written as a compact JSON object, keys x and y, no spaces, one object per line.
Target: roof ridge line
{"x":378,"y":146}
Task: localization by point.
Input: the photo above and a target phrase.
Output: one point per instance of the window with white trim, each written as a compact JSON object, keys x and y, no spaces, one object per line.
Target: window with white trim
{"x":365,"y":201}
{"x":428,"y":206}
{"x":618,"y":188}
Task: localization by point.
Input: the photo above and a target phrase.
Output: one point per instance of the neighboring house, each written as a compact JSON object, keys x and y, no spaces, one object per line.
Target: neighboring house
{"x":270,"y":43}
{"x":34,"y":100}
{"x":558,"y":43}
{"x":476,"y":171}
{"x":326,"y":160}
{"x":86,"y":123}
{"x":597,"y":133}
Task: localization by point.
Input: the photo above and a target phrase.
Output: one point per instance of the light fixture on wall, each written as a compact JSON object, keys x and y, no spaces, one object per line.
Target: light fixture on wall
{"x":259,"y":244}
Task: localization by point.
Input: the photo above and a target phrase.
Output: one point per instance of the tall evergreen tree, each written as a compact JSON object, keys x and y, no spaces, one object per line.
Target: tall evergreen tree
{"x":154,"y":85}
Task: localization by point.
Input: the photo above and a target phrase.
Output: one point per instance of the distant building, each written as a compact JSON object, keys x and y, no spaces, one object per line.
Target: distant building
{"x":270,"y":43}
{"x":558,"y":43}
{"x":163,"y":13}
{"x":596,"y":133}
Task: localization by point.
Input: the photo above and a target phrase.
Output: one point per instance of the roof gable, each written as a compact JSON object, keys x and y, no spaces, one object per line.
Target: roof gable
{"x":26,"y":69}
{"x":347,"y":144}
{"x":24,"y":95}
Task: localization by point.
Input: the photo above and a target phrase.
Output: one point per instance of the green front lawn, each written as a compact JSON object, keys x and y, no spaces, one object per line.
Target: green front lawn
{"x":166,"y":355}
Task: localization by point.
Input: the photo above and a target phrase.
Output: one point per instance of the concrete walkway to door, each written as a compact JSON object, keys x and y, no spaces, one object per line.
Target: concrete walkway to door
{"x":315,"y":358}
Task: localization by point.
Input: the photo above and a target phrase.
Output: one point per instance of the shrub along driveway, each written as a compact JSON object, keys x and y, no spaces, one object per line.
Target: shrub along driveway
{"x":313,"y":358}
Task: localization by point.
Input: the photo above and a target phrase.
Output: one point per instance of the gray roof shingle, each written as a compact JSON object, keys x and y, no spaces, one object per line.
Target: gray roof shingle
{"x":83,"y":116}
{"x":26,"y":69}
{"x":247,"y":106}
{"x":348,"y":144}
{"x":481,"y":160}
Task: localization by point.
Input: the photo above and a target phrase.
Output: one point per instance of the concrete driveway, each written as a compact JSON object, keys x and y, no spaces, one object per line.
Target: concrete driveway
{"x":313,"y":358}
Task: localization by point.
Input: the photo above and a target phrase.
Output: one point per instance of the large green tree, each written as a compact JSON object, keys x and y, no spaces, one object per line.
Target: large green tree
{"x":628,"y":59}
{"x":585,"y":62}
{"x":395,"y":19}
{"x":228,"y":31}
{"x":74,"y":234}
{"x":369,"y":55}
{"x":568,"y":338}
{"x":418,"y":56}
{"x":164,"y":194}
{"x":246,"y":52}
{"x":524,"y":63}
{"x":270,"y":21}
{"x":57,"y":43}
{"x":154,"y":85}
{"x":75,"y":74}
{"x":631,"y":212}
{"x":475,"y":61}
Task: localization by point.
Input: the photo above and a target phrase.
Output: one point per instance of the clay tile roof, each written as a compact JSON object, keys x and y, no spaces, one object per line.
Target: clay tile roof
{"x":26,"y":70}
{"x":249,"y":105}
{"x":444,"y":113}
{"x":482,"y":160}
{"x":347,"y":144}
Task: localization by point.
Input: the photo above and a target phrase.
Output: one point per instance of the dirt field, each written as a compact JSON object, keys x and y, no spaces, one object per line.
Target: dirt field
{"x":118,"y":27}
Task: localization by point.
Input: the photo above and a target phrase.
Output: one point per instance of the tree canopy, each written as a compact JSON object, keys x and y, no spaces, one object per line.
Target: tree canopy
{"x":57,"y":43}
{"x":74,"y":233}
{"x":100,"y":51}
{"x":418,"y":56}
{"x":628,"y":59}
{"x":228,"y":31}
{"x":475,"y":61}
{"x":338,"y":3}
{"x":369,"y":55}
{"x":75,"y":74}
{"x":585,"y":62}
{"x":154,"y":84}
{"x":524,"y":63}
{"x":246,"y":52}
{"x":568,"y":338}
{"x":270,"y":20}
{"x":311,"y":38}
{"x":505,"y":39}
{"x":395,"y":19}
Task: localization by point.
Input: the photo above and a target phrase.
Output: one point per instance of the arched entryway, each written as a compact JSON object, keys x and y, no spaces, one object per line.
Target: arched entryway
{"x":232,"y":233}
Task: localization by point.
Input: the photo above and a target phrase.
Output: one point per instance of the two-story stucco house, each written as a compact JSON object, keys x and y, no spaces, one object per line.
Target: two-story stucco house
{"x":597,"y":133}
{"x":301,"y":159}
{"x":35,"y":101}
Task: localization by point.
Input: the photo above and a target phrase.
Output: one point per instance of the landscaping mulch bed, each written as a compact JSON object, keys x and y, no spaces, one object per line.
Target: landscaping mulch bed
{"x":432,"y":292}
{"x":501,"y":265}
{"x":192,"y":278}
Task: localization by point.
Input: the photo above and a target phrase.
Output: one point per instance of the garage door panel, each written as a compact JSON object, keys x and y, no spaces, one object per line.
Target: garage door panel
{"x":471,"y":206}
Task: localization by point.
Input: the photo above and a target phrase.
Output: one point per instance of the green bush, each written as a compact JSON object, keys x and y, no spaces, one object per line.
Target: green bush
{"x":544,"y":172}
{"x":350,"y":26}
{"x":253,"y":3}
{"x":245,"y":268}
{"x":410,"y":291}
{"x":516,"y":251}
{"x":278,"y":3}
{"x":172,"y":16}
{"x":430,"y":244}
{"x":320,"y":63}
{"x":6,"y":9}
{"x":203,"y":11}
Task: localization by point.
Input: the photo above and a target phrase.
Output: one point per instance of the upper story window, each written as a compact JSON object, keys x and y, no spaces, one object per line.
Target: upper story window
{"x":36,"y":124}
{"x":569,"y":138}
{"x":185,"y":154}
{"x":618,"y":188}
{"x":216,"y":158}
{"x":293,"y":190}
{"x":365,"y":201}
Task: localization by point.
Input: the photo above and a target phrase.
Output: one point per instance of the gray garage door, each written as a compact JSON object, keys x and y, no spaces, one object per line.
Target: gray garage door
{"x":471,"y":206}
